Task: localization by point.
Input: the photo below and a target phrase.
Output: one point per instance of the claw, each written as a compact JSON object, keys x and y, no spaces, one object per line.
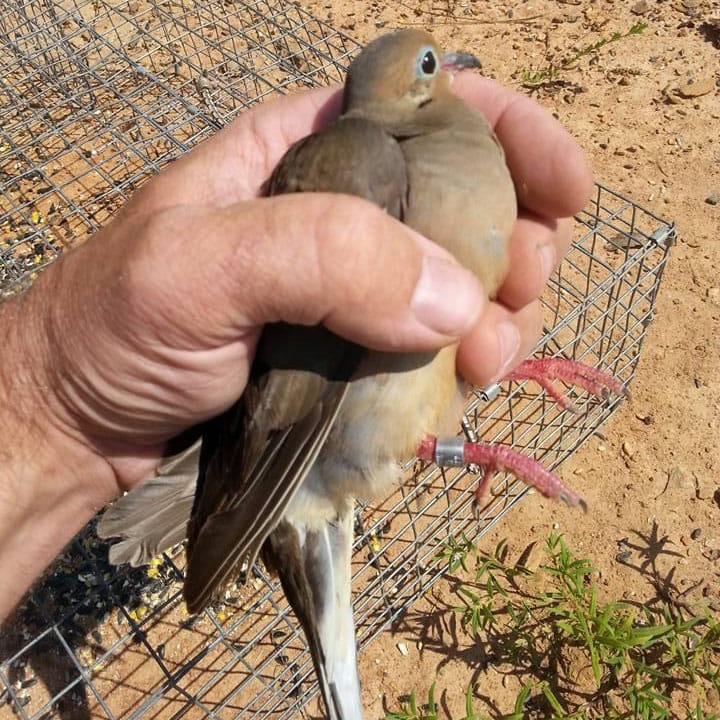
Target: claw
{"x":544,"y":370}
{"x":483,"y":484}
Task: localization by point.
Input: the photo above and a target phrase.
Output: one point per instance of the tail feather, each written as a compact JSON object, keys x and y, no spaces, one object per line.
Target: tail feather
{"x":314,"y":569}
{"x":153,"y":517}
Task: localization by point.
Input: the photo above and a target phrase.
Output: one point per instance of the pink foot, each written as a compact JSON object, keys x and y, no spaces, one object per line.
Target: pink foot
{"x":456,"y":452}
{"x":544,"y":370}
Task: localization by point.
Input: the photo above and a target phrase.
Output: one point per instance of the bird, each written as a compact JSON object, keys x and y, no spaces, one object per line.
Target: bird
{"x":324,"y":422}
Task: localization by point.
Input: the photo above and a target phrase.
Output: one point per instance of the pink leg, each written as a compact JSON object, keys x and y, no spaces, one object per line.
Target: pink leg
{"x":544,"y":370}
{"x":456,"y":452}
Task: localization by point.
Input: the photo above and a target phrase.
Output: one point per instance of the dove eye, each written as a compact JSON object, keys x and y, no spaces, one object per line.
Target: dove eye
{"x":427,"y":62}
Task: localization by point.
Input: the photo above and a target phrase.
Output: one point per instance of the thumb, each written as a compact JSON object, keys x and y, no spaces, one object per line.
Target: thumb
{"x":320,"y":258}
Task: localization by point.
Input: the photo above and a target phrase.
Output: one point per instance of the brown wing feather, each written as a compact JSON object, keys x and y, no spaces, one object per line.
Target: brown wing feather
{"x":231,"y":535}
{"x":352,"y":156}
{"x":256,"y":455}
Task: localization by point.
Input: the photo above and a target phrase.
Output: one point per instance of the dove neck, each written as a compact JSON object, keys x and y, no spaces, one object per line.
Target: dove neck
{"x":403,"y":122}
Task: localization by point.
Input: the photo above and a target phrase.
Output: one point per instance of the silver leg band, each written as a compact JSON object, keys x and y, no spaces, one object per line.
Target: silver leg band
{"x":450,"y":452}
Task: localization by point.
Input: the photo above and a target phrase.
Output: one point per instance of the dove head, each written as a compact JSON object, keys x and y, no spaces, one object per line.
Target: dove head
{"x":398,"y":74}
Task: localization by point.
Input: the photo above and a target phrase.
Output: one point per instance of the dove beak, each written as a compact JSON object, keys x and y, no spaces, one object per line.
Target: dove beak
{"x":459,"y":61}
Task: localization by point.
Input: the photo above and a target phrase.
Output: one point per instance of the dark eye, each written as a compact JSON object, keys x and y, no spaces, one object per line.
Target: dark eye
{"x":428,"y":63}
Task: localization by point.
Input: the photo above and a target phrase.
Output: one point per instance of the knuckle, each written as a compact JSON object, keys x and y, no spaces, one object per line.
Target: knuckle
{"x":150,"y":273}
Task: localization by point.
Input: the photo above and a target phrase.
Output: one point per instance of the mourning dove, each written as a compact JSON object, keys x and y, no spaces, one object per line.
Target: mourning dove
{"x":323,"y":422}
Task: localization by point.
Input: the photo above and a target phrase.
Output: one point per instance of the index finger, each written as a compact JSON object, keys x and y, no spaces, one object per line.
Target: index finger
{"x":552,"y":177}
{"x":233,"y":164}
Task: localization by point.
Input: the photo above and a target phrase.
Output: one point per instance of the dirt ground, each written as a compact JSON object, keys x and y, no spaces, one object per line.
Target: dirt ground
{"x":653,"y":136}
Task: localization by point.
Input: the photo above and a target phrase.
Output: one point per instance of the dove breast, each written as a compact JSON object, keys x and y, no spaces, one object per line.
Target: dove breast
{"x":460,"y":192}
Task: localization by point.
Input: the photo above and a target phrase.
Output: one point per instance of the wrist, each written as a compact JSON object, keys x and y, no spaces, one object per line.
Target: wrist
{"x":51,"y":482}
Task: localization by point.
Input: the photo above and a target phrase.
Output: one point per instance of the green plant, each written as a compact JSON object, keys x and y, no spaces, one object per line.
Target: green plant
{"x":536,"y":77}
{"x":409,"y":709}
{"x":643,"y":662}
{"x":455,"y":552}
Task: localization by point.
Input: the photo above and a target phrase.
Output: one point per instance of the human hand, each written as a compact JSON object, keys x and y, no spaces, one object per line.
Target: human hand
{"x":150,"y":327}
{"x":156,"y":318}
{"x":552,"y":180}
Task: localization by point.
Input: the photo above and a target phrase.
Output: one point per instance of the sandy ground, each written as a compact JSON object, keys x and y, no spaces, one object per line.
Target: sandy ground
{"x":658,"y":463}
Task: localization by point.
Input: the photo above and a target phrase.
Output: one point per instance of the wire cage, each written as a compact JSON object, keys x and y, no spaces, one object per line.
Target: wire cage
{"x":96,"y":96}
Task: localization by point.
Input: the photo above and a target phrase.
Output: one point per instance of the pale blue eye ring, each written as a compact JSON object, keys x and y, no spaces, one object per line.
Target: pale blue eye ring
{"x":427,"y":62}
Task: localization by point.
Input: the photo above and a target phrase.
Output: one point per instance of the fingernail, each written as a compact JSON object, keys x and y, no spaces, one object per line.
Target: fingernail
{"x":548,"y":258}
{"x":509,"y":342}
{"x":447,"y":297}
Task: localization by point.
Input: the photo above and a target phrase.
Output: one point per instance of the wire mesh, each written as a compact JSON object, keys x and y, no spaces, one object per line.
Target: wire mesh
{"x":96,"y":96}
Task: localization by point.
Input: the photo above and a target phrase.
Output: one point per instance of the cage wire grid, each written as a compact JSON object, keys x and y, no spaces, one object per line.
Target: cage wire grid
{"x":96,"y":96}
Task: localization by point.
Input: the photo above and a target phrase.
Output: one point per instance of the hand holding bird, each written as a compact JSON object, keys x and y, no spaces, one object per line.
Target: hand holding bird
{"x":322,"y":421}
{"x":150,"y":326}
